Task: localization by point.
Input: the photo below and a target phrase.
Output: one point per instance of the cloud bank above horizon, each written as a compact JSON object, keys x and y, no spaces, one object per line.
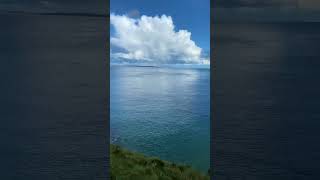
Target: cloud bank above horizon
{"x":150,"y":39}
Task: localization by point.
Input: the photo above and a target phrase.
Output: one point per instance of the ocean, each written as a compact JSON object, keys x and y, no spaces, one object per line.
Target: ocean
{"x":267,"y":101}
{"x":53,"y":97}
{"x":54,"y":109}
{"x":162,"y":111}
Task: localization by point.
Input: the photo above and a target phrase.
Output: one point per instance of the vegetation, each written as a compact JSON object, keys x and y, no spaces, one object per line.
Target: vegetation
{"x":126,"y":165}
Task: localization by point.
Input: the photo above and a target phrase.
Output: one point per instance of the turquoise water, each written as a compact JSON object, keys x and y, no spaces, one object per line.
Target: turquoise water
{"x":162,"y":112}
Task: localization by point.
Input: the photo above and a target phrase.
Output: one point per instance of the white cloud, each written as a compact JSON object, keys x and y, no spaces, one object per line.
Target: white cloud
{"x":153,"y":39}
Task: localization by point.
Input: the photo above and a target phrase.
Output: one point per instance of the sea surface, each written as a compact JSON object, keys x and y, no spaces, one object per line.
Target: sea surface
{"x":53,"y":93}
{"x":267,"y":122}
{"x":162,"y":112}
{"x":54,"y":111}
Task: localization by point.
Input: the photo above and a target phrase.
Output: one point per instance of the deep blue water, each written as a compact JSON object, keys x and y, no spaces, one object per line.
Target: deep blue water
{"x":267,"y":123}
{"x":53,"y":108}
{"x":162,"y":112}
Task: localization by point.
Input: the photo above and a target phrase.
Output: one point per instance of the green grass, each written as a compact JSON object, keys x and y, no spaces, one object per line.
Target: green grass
{"x":126,"y":165}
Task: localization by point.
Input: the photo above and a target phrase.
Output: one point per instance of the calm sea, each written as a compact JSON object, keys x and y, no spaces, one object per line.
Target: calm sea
{"x":267,"y":101}
{"x":162,"y":112}
{"x":53,"y":109}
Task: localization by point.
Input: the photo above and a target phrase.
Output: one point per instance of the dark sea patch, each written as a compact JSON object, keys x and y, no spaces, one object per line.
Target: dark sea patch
{"x":267,"y":101}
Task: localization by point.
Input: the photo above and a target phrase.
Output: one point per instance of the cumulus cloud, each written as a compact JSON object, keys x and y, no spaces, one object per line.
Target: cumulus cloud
{"x":152,"y":39}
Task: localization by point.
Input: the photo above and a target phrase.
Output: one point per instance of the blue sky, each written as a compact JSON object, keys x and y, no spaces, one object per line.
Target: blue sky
{"x":190,"y":15}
